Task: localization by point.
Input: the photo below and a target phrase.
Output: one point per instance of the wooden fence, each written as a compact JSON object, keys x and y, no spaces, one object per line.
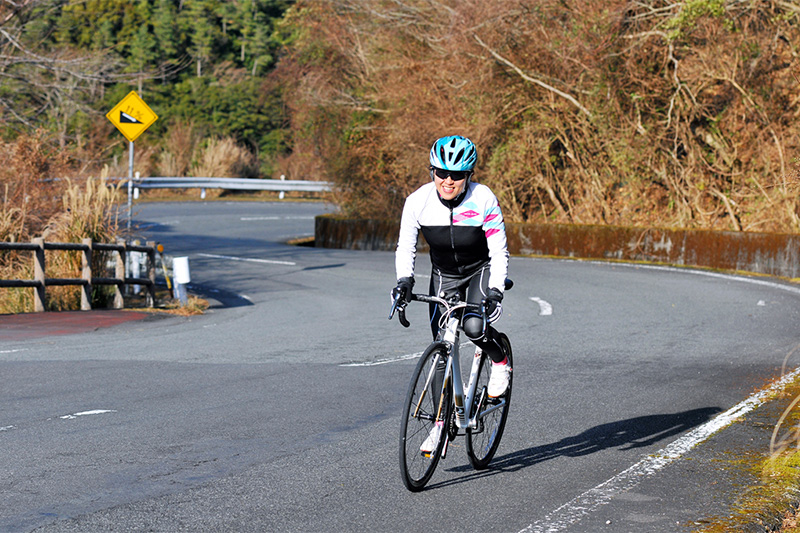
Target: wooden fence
{"x":40,"y":281}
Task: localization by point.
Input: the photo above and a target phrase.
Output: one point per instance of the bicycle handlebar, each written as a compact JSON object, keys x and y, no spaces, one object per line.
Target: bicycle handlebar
{"x":399,"y":306}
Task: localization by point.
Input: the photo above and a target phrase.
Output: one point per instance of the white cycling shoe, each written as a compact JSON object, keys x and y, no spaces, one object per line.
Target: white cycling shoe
{"x":429,"y":444}
{"x":498,"y":380}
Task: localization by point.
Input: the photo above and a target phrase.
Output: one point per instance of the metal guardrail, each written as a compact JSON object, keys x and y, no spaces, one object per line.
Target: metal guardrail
{"x":87,"y":279}
{"x":246,"y":184}
{"x":242,"y":184}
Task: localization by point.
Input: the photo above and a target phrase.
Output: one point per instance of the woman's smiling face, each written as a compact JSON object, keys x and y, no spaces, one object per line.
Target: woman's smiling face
{"x":448,"y":187}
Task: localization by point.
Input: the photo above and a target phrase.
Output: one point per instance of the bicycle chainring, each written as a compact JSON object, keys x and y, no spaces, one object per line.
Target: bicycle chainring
{"x":452,"y":427}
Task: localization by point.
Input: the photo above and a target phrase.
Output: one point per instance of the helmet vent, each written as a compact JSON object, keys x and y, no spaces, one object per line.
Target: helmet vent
{"x":453,"y":152}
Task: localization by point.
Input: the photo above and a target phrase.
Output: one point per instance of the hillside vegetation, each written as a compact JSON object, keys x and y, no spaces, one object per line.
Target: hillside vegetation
{"x":665,"y":113}
{"x":652,"y":112}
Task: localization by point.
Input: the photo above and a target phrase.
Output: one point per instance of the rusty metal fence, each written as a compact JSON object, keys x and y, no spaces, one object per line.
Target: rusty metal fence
{"x":40,"y":281}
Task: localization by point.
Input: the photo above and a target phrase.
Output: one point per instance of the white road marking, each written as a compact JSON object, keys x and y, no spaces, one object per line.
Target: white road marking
{"x":308,"y":217}
{"x":544,"y":307}
{"x":588,"y":502}
{"x":248,"y":259}
{"x":156,"y":224}
{"x":386,"y":361}
{"x":6,"y":428}
{"x":13,"y":351}
{"x":88,"y":413}
{"x":405,"y":357}
{"x":754,"y":281}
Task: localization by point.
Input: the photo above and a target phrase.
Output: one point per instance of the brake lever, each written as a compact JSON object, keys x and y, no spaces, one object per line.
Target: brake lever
{"x":395,"y":303}
{"x":401,"y":312}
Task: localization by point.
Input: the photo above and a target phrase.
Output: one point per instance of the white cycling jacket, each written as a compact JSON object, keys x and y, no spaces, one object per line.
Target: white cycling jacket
{"x":462,"y":239}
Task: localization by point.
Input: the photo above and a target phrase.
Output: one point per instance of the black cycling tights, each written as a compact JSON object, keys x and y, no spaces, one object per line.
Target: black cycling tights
{"x":473,"y":290}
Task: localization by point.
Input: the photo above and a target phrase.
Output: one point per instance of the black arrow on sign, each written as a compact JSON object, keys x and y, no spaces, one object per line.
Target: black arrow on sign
{"x":125,"y":118}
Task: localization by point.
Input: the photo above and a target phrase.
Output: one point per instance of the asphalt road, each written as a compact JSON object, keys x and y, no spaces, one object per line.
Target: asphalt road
{"x":278,"y":410}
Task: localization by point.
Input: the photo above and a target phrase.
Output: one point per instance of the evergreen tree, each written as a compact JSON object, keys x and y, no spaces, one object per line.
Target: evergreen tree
{"x":168,"y":41}
{"x":142,"y":52}
{"x":205,"y":29}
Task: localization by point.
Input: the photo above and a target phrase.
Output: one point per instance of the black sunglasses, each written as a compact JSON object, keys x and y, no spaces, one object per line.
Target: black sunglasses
{"x":455,"y":175}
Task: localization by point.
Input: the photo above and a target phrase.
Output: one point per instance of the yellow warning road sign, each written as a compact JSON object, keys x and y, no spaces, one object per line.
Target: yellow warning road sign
{"x":132,"y":116}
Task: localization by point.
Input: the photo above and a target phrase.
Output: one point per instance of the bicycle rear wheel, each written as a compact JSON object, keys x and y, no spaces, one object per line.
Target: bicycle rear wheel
{"x":424,"y":405}
{"x":482,"y":441}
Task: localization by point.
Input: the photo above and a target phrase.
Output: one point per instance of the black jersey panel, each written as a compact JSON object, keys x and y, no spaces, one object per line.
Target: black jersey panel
{"x":457,"y":250}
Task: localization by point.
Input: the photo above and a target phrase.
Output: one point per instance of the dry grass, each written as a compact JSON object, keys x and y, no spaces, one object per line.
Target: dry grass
{"x":223,"y":158}
{"x":88,"y":213}
{"x":40,"y":199}
{"x":194,"y":306}
{"x":176,"y":157}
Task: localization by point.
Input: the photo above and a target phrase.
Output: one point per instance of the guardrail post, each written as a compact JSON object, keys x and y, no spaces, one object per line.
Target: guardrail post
{"x":38,"y":275}
{"x":151,"y":274}
{"x":86,"y":274}
{"x":119,"y":274}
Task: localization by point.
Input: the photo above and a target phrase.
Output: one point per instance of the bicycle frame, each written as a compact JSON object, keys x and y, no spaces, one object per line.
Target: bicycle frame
{"x":462,"y":408}
{"x":464,"y":403}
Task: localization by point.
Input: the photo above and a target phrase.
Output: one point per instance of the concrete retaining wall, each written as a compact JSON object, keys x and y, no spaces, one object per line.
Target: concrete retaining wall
{"x":766,"y":253}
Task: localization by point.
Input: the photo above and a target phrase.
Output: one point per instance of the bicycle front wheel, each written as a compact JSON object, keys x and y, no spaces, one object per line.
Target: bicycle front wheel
{"x":425,"y":405}
{"x":483,"y":440}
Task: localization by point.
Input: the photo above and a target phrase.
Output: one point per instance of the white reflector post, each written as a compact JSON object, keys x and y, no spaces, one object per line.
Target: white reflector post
{"x":181,"y":276}
{"x":180,"y":270}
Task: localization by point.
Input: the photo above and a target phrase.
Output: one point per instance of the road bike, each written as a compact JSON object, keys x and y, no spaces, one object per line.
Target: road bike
{"x":437,"y":394}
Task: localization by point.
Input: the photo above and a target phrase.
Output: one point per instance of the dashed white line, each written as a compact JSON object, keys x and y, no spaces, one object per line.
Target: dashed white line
{"x":545,"y":308}
{"x":88,"y":413}
{"x":574,"y":510}
{"x":405,"y":357}
{"x":248,"y":259}
{"x":386,"y":361}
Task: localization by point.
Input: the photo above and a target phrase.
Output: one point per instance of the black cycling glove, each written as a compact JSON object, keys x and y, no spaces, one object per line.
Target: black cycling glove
{"x":403,"y":289}
{"x":492,"y":302}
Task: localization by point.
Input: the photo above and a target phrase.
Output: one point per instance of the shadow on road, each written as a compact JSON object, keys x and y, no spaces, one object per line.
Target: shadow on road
{"x":225,"y":298}
{"x":626,"y":435}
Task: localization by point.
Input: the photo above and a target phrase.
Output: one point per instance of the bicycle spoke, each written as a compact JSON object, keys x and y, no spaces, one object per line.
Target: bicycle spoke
{"x":483,"y":440}
{"x":419,"y":419}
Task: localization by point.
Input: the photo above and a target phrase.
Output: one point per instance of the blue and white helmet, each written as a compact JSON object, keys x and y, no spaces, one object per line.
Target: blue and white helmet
{"x":453,"y":152}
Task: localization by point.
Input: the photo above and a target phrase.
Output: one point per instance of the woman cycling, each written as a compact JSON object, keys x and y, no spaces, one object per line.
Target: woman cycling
{"x":463,"y":226}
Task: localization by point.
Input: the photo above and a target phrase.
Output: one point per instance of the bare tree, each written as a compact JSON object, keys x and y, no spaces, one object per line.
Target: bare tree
{"x":40,"y":84}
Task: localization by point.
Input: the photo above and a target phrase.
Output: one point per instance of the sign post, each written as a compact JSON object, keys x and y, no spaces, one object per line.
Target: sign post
{"x":131,"y":116}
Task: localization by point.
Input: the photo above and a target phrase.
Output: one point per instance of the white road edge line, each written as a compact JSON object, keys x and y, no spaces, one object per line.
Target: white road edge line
{"x":545,"y":308}
{"x":87,"y":413}
{"x":689,"y":270}
{"x":247,"y":259}
{"x":574,"y":510}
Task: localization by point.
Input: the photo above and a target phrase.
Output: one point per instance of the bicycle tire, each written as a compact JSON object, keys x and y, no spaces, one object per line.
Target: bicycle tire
{"x":482,"y":441}
{"x":416,"y":468}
